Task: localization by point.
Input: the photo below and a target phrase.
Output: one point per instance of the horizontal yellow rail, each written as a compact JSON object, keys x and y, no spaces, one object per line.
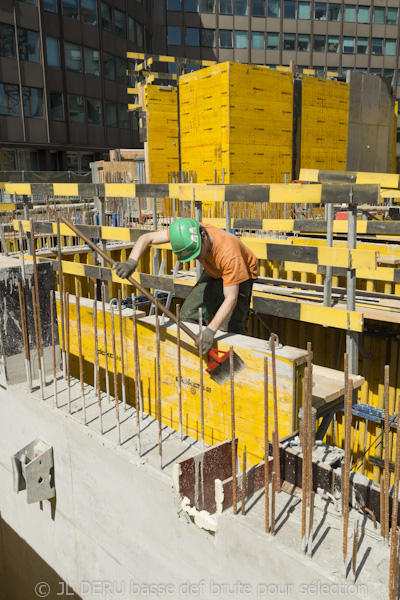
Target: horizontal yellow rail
{"x":385,"y":180}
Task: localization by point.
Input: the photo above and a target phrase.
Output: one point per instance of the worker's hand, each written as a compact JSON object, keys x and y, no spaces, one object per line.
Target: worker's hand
{"x":125,"y":269}
{"x":207,"y":338}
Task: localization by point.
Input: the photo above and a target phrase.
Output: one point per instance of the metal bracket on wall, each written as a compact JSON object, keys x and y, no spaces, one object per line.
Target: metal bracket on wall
{"x":33,"y":471}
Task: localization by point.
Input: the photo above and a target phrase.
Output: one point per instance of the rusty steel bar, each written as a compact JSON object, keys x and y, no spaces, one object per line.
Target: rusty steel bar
{"x":178,"y":349}
{"x":273,"y":476}
{"x":137,"y":381}
{"x":244,"y":482}
{"x":25,"y":337}
{"x":138,"y":364}
{"x":61,"y":290}
{"x":386,"y":469}
{"x":233,"y":430}
{"x":103,"y":302}
{"x":382,"y":507}
{"x":20,"y":228}
{"x":53,"y":345}
{"x":115,"y":372}
{"x":38,"y":313}
{"x":37,"y":341}
{"x":68,"y":347}
{"x":201,"y":377}
{"x":277,"y":462}
{"x":266,"y":445}
{"x":78,"y":323}
{"x":159,"y":407}
{"x":310,"y":444}
{"x":395,"y":508}
{"x":96,"y":358}
{"x":122,"y":351}
{"x":355,"y":549}
{"x":347,"y":448}
{"x":304,"y":480}
{"x":311,"y":525}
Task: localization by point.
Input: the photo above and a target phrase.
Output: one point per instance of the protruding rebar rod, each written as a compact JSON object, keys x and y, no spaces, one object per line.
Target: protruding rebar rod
{"x":355,"y":548}
{"x":61,"y":290}
{"x":79,"y":331}
{"x":273,"y":476}
{"x":96,"y":358}
{"x":35,"y":320}
{"x":103,"y":302}
{"x":115,"y":375}
{"x":159,"y":407}
{"x":68,"y":348}
{"x":121,"y":338}
{"x":25,"y":336}
{"x":21,"y":250}
{"x":38,"y":312}
{"x":395,"y":508}
{"x":311,"y":525}
{"x":201,"y":376}
{"x":305,"y":447}
{"x":244,"y":482}
{"x":233,"y":430}
{"x":382,"y":508}
{"x":386,"y":432}
{"x":53,"y":345}
{"x":137,"y":377}
{"x":347,"y":449}
{"x":277,"y":462}
{"x":178,"y":349}
{"x":266,"y":445}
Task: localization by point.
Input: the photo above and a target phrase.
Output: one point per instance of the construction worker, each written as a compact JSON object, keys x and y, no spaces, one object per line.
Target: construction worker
{"x":226,"y":283}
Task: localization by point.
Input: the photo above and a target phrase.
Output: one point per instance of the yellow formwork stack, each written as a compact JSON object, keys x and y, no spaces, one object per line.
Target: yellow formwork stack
{"x":238,"y":118}
{"x":324,"y":124}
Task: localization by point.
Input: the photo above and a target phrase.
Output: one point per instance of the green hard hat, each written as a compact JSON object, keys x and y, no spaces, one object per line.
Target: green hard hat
{"x":185,"y":238}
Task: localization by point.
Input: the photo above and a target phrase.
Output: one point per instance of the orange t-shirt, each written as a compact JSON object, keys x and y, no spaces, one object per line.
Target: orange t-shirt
{"x":229,"y":258}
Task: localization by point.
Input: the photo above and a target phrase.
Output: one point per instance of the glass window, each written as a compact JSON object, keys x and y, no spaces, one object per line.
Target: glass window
{"x":379,"y":15}
{"x":108,"y":66}
{"x":121,"y":66}
{"x":333,"y":43}
{"x":89,"y":12}
{"x":70,"y":9}
{"x":7,"y":40}
{"x":192,"y":36}
{"x":289,"y":41}
{"x":111,"y":114}
{"x":92,"y":61}
{"x":389,"y":74}
{"x":272,"y":41}
{"x":303,"y":42}
{"x":76,"y":109}
{"x":174,"y":5}
{"x":241,"y":7}
{"x":363,"y":14}
{"x":334,"y":12}
{"x":258,"y":8}
{"x":320,"y":11}
{"x":392,"y":16}
{"x":73,"y":57}
{"x":191,"y":6}
{"x":28,"y":45}
{"x":226,"y":7}
{"x":377,"y":46}
{"x":7,"y":160}
{"x":348,"y":45}
{"x":9,"y":99}
{"x":350,"y":13}
{"x":119,"y":23}
{"x":257,"y":40}
{"x":53,"y":52}
{"x":123,"y":116}
{"x":273,"y":8}
{"x":390,"y":47}
{"x":132,"y":30}
{"x":208,"y":6}
{"x":225,"y":38}
{"x":32,"y":99}
{"x":208,"y":38}
{"x":362,"y":45}
{"x":240,"y":39}
{"x":174,"y":36}
{"x":28,"y":161}
{"x":319,"y":43}
{"x":72,"y":161}
{"x":50,"y":5}
{"x":149,"y":42}
{"x":94,"y":111}
{"x":289,"y":9}
{"x":304,"y":10}
{"x":86,"y":159}
{"x":106,"y":16}
{"x":57,"y":106}
{"x":139,"y":35}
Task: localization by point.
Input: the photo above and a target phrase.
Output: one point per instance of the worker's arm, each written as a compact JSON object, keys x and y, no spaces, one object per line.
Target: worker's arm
{"x":153,"y":238}
{"x":231,"y":294}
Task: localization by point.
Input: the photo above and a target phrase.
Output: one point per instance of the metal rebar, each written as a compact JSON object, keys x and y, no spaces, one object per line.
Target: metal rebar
{"x":347,"y":448}
{"x":96,"y":358}
{"x":78,"y":324}
{"x":25,"y":337}
{"x":53,"y":345}
{"x":68,"y":347}
{"x":266,"y":445}
{"x":382,"y":507}
{"x":273,"y":502}
{"x":115,"y":375}
{"x":61,"y":290}
{"x":311,"y":525}
{"x":21,"y":250}
{"x":233,"y":431}
{"x":122,"y":351}
{"x":37,"y":340}
{"x":137,"y":382}
{"x":201,"y":376}
{"x":277,"y":462}
{"x":103,"y":302}
{"x":178,"y":349}
{"x":159,"y":407}
{"x":304,"y":480}
{"x":38,"y":312}
{"x":386,"y":432}
{"x":395,"y":506}
{"x":355,"y":549}
{"x":244,"y":482}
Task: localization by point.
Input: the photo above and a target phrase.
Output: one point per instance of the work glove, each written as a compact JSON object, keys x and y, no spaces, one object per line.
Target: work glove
{"x":125,"y":269}
{"x":207,"y":338}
